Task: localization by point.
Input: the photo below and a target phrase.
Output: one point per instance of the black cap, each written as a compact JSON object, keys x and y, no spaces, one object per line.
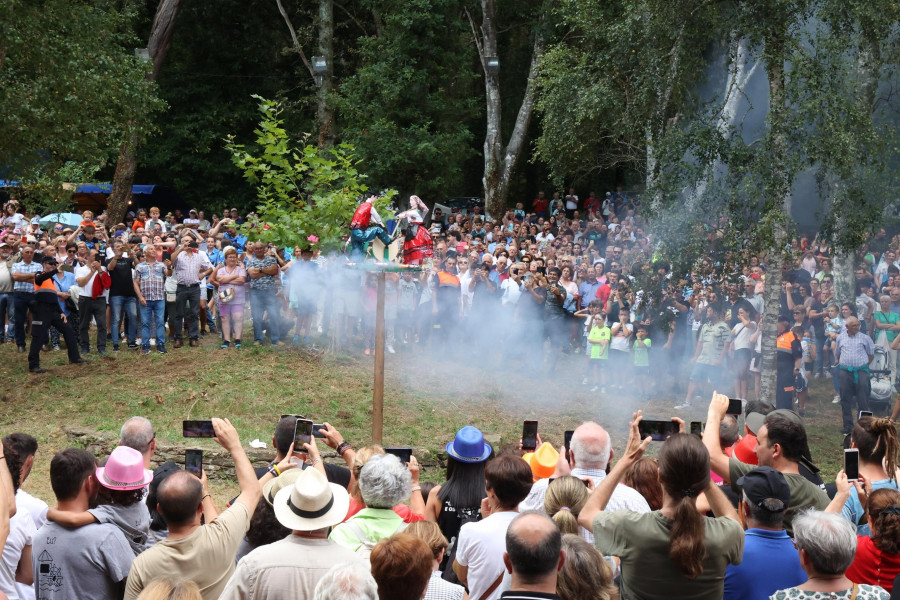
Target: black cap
{"x":763,"y":483}
{"x":48,"y":260}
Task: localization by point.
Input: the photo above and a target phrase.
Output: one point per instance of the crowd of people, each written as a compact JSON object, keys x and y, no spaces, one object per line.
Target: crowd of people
{"x":737,"y":511}
{"x":566,"y":277}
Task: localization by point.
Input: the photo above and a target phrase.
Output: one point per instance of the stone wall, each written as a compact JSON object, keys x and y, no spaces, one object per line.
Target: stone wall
{"x":218,"y":464}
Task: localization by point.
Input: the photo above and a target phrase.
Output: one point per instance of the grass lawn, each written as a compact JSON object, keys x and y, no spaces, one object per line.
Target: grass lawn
{"x":426,"y":400}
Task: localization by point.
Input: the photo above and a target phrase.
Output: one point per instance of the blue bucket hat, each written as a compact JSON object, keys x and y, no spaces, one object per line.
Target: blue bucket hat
{"x":469,"y":446}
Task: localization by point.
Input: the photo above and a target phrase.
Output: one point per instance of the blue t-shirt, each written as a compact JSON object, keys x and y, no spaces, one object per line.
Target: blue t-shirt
{"x":853,"y":510}
{"x":771,"y":563}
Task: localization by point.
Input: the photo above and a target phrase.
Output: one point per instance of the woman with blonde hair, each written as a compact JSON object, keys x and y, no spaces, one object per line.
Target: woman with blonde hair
{"x":171,"y":589}
{"x":585,"y":574}
{"x":438,"y":588}
{"x":563,"y":502}
{"x":230,"y":278}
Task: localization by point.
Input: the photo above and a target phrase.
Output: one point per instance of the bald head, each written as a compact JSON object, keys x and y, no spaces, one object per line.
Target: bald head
{"x":179,"y":497}
{"x":533,"y":548}
{"x":590,"y":446}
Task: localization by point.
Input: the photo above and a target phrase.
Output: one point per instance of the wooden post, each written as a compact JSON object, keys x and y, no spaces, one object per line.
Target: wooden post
{"x":378,"y":389}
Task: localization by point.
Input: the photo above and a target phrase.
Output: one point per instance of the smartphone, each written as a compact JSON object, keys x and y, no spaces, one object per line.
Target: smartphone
{"x":167,"y":255}
{"x":529,"y":436}
{"x":851,"y":463}
{"x":542,"y":270}
{"x":865,"y":413}
{"x":197,"y":429}
{"x":404,"y":454}
{"x":697,"y":428}
{"x":658,"y":431}
{"x":318,"y":429}
{"x":567,"y":437}
{"x":302,"y":434}
{"x":735,"y":406}
{"x":67,"y":268}
{"x":193,"y":462}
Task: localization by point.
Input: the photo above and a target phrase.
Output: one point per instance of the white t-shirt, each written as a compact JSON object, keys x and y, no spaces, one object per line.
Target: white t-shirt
{"x":511,"y":291}
{"x":21,"y":532}
{"x":481,"y":547}
{"x":88,"y":288}
{"x":742,"y":335}
{"x":620,"y":342}
{"x":544,"y":238}
{"x":466,"y":295}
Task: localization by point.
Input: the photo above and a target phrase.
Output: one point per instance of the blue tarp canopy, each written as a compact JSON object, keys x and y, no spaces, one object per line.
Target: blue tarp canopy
{"x":106,"y":188}
{"x":86,"y":188}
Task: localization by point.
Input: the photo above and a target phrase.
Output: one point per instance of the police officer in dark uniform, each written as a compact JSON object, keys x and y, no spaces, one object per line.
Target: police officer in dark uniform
{"x":47,"y":313}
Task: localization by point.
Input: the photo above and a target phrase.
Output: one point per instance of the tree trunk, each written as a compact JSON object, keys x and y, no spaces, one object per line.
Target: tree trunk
{"x":500,"y":160}
{"x":325,"y":111}
{"x":158,"y":45}
{"x":844,"y":281}
{"x":779,"y":206}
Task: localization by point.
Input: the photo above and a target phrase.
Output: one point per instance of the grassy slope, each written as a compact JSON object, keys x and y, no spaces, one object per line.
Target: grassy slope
{"x":424,"y":404}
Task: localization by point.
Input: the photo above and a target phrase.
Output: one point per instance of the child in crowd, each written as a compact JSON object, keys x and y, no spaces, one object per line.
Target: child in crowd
{"x":833,"y":325}
{"x":519,"y":213}
{"x":642,"y":360}
{"x":120,"y":498}
{"x":87,"y":218}
{"x":598,"y":337}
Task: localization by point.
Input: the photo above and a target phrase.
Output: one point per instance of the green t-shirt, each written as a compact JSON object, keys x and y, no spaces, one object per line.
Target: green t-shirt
{"x":642,"y":352}
{"x":598,"y":335}
{"x":887,"y":317}
{"x":641,"y":541}
{"x":804,"y":493}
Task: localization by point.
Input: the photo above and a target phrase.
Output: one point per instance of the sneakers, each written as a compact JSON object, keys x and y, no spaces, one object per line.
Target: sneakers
{"x":585,"y":382}
{"x":161,"y":349}
{"x":132,"y":346}
{"x":56,"y":348}
{"x":593,"y":389}
{"x":178,"y":344}
{"x":390,"y":349}
{"x":684,"y":406}
{"x":21,"y":349}
{"x":80,"y":361}
{"x":194,"y":343}
{"x":225,"y":345}
{"x":37,"y":370}
{"x":115,"y":347}
{"x":296,"y":339}
{"x":85,"y":350}
{"x":145,"y":350}
{"x":837,"y":399}
{"x":237,"y":343}
{"x":101,"y":351}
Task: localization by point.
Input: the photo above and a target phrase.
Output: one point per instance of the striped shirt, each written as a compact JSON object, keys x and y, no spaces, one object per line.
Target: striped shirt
{"x":439,"y":589}
{"x":188,"y":265}
{"x":151,"y":280}
{"x":31,"y":268}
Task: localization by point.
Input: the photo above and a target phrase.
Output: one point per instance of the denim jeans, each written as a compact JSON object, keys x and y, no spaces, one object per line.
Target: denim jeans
{"x":154,"y":313}
{"x":262,"y":301}
{"x":359,"y":238}
{"x":116,"y":304}
{"x":21,"y":302}
{"x":7,"y":310}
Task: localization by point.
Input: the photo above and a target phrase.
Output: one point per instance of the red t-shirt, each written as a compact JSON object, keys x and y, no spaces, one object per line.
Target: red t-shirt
{"x":540,"y":205}
{"x":872,"y":566}
{"x":603,"y":292}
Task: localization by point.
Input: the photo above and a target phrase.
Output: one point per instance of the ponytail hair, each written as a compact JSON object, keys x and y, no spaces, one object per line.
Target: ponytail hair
{"x":565,"y":498}
{"x":877,"y":442}
{"x":884,"y":510}
{"x":684,"y":473}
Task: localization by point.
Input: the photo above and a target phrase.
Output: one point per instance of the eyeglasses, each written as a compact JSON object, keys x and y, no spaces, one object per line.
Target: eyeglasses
{"x":70,"y":251}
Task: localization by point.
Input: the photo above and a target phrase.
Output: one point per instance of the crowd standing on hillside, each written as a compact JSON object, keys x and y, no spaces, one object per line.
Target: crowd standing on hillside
{"x":703,"y":520}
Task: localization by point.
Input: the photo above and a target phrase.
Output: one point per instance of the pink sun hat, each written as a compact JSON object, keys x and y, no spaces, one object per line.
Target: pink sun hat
{"x":124,"y":470}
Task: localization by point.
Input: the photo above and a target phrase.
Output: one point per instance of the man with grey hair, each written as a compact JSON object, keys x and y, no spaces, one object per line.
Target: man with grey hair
{"x":589,"y":453}
{"x":854,"y":351}
{"x":347,"y":582}
{"x":533,"y":556}
{"x":826,"y":544}
{"x":138,"y":433}
{"x":383,"y":483}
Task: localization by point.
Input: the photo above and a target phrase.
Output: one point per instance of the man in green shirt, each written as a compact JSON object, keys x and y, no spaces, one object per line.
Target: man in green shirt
{"x":779,"y":444}
{"x":709,"y":355}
